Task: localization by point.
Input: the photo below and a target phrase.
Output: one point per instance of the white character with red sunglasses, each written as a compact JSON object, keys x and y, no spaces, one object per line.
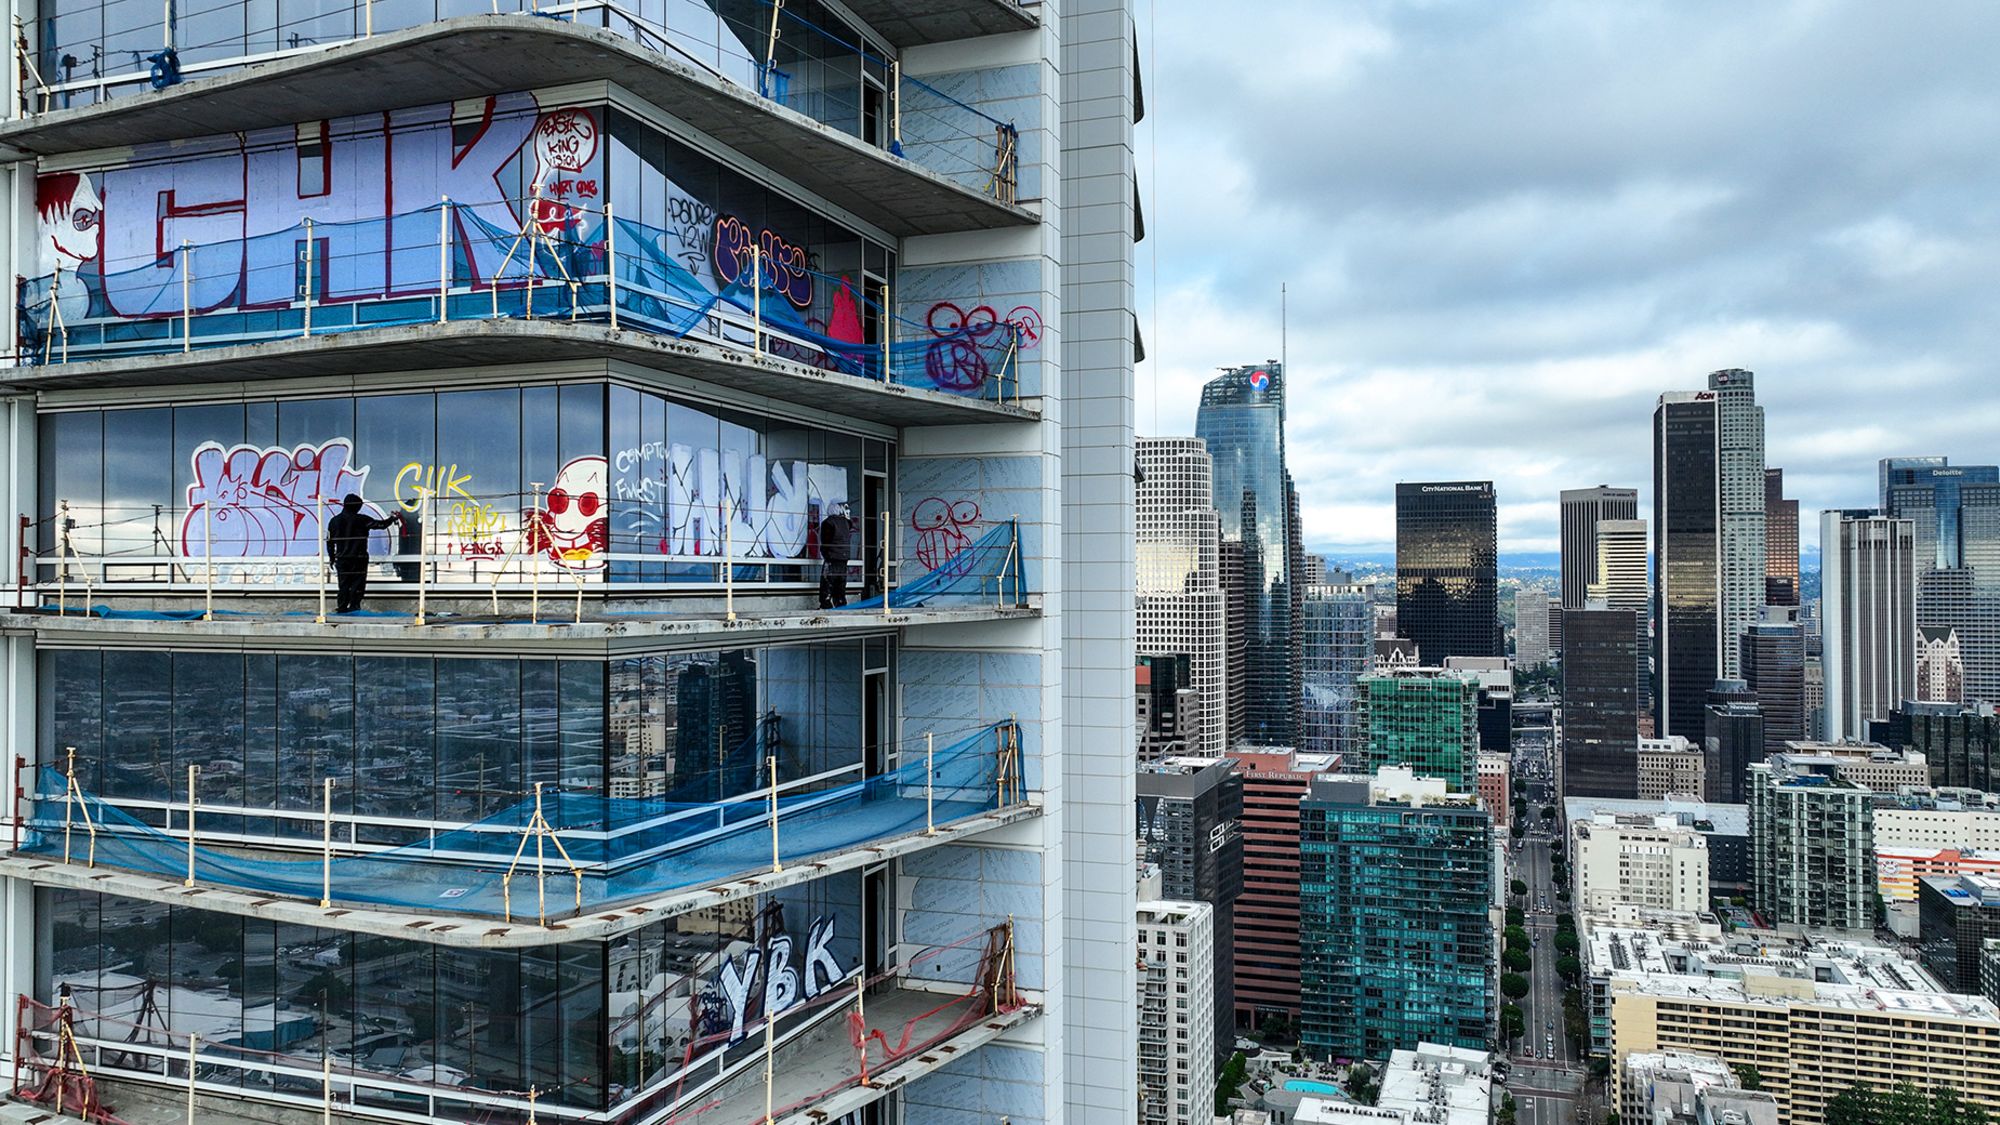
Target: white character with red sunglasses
{"x":573,"y":526}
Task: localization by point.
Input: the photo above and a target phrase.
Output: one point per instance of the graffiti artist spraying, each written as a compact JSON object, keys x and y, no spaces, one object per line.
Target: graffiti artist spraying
{"x":834,"y":533}
{"x":347,"y":549}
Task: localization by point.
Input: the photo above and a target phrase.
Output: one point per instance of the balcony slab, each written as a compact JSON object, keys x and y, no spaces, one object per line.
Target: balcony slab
{"x":466,"y":932}
{"x":911,"y":23}
{"x":493,"y":343}
{"x":480,"y":55}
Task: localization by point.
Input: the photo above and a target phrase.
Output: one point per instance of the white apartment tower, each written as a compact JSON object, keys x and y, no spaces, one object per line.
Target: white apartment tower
{"x":1176,"y":1013}
{"x":1180,"y":594}
{"x":602,"y":315}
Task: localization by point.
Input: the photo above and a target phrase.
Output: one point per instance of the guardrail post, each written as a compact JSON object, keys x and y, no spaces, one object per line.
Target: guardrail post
{"x":930,"y":783}
{"x":611,"y":261}
{"x":885,"y":564}
{"x":193,"y":1041}
{"x":193,"y":773}
{"x":444,"y":260}
{"x":208,"y":561}
{"x":756,"y":298}
{"x":896,"y":107}
{"x":187,"y":307}
{"x":888,"y":330}
{"x":534,"y":564}
{"x":309,"y":278}
{"x":326,"y":847}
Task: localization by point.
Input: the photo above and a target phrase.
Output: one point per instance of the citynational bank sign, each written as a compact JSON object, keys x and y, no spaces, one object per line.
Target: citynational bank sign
{"x":1481,"y":487}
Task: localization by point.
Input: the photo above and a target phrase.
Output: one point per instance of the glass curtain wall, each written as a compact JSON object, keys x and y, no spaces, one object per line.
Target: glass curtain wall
{"x":414,"y":743}
{"x":150,"y":494}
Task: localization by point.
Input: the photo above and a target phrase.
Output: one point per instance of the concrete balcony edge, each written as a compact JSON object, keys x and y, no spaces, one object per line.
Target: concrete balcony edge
{"x":466,"y":932}
{"x":514,"y":342}
{"x":593,"y":635}
{"x":480,"y":55}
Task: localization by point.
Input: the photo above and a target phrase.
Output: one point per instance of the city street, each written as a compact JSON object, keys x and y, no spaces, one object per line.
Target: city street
{"x":1548,"y":1071}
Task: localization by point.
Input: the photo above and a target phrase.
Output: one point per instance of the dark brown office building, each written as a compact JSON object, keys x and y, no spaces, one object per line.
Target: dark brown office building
{"x":1600,"y":744}
{"x":1447,"y":569}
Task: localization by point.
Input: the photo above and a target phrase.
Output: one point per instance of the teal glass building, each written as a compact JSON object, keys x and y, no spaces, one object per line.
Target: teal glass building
{"x":1395,"y":938}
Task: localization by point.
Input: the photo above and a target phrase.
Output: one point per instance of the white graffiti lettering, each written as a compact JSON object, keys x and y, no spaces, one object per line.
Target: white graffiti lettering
{"x":785,"y":986}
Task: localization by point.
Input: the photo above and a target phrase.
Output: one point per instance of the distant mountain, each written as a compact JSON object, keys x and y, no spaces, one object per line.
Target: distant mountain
{"x":1514,"y":563}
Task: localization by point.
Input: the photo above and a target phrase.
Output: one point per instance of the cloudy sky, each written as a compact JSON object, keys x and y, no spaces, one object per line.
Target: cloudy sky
{"x":1505,"y":228}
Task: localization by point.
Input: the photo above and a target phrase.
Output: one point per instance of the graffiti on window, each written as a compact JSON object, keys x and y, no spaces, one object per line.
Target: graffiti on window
{"x":248,"y":502}
{"x":573,"y":525}
{"x":784,"y":984}
{"x":112,"y":236}
{"x":468,"y":527}
{"x":785,"y":267}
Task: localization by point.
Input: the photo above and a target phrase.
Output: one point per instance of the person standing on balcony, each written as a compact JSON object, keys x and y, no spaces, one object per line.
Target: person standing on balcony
{"x":835,"y":531}
{"x":347,"y":548}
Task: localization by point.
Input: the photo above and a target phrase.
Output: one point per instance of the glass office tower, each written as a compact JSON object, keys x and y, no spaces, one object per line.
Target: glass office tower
{"x":1686,"y":560}
{"x":1447,"y":569}
{"x":1242,"y":418}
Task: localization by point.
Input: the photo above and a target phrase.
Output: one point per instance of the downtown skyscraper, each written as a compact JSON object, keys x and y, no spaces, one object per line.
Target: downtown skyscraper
{"x":1242,"y":420}
{"x":1582,"y":510}
{"x":1179,"y":576}
{"x":1708,"y":546}
{"x":1955,"y":512}
{"x":1447,"y":569}
{"x":1868,"y":598}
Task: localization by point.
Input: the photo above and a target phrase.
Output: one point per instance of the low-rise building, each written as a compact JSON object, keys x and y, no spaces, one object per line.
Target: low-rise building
{"x":1681,"y":1088}
{"x":1495,"y":783}
{"x":1955,"y":916}
{"x":1430,"y":1085}
{"x":1638,"y":860}
{"x":1725,"y":827}
{"x":1870,"y":764}
{"x":1671,"y":766}
{"x":1814,"y":1016}
{"x":1899,"y":870}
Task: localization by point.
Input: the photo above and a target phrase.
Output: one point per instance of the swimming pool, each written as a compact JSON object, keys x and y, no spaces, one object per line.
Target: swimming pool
{"x":1309,"y":1086}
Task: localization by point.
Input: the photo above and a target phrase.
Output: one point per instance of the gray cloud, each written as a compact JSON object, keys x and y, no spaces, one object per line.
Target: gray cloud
{"x":1505,"y":229}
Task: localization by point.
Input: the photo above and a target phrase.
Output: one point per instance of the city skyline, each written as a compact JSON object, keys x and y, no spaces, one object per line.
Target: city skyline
{"x":1507,"y":305}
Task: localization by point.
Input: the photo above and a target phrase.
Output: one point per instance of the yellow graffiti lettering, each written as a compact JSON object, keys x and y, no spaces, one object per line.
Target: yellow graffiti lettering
{"x":430,"y":480}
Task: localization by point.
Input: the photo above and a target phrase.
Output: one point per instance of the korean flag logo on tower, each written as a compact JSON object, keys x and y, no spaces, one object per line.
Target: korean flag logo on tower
{"x":1260,"y":380}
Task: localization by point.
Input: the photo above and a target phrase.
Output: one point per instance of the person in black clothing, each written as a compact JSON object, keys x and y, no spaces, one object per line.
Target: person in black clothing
{"x":347,"y":549}
{"x":834,"y":533}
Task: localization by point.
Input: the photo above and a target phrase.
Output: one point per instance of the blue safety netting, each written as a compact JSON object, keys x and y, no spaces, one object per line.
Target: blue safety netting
{"x":569,"y":266}
{"x":988,"y":569}
{"x":622,"y":849}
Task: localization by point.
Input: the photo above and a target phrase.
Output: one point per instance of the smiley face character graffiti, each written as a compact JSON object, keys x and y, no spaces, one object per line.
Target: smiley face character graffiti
{"x":573,"y":525}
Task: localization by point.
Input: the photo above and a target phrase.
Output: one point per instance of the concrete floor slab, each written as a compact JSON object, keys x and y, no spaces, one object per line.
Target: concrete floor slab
{"x":473,"y":344}
{"x":480,"y":55}
{"x":909,"y":23}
